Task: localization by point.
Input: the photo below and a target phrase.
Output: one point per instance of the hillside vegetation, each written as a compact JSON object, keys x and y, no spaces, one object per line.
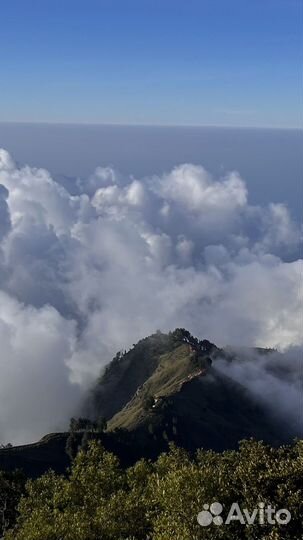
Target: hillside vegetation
{"x":161,"y":500}
{"x":167,"y":388}
{"x":159,"y":437}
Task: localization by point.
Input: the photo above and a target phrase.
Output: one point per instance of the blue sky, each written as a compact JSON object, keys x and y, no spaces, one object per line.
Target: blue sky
{"x":170,"y":62}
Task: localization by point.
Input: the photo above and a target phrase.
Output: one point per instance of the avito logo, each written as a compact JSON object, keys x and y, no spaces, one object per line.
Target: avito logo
{"x":262,"y":514}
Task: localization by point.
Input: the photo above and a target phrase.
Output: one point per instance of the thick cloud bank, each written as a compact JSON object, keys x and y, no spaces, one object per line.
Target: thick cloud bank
{"x":84,"y":275}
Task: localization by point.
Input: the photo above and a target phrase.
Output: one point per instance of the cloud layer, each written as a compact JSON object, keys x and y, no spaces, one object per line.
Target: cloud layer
{"x":84,"y":275}
{"x":274,"y":380}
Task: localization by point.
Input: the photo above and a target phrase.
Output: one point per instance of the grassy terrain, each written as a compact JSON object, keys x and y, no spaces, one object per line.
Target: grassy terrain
{"x":126,"y":373}
{"x":172,"y":371}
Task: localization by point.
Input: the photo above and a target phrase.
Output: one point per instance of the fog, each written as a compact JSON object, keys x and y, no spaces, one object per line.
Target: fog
{"x":274,"y":380}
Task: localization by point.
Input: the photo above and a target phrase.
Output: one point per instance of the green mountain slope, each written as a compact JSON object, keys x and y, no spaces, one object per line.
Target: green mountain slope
{"x":179,"y":395}
{"x":166,"y":388}
{"x":126,"y":373}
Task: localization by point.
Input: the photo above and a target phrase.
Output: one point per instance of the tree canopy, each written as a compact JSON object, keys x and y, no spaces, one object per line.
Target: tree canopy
{"x":161,"y":500}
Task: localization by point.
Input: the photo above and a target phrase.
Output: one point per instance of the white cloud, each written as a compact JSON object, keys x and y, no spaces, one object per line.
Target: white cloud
{"x":193,"y":189}
{"x":35,"y":391}
{"x":272,"y":379}
{"x":127,"y":256}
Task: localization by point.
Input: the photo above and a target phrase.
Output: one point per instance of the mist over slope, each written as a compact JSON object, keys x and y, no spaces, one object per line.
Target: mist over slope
{"x":85,"y":275}
{"x":273,"y":379}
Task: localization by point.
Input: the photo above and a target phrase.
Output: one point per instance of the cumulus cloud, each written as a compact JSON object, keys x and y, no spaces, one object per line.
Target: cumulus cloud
{"x":5,"y":222}
{"x":125,"y":256}
{"x":34,"y":385}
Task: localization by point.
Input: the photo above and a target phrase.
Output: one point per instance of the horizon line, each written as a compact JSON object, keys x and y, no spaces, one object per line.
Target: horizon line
{"x":146,"y":125}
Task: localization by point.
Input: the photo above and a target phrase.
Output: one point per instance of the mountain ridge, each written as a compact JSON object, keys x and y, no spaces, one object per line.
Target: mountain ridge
{"x":166,"y":388}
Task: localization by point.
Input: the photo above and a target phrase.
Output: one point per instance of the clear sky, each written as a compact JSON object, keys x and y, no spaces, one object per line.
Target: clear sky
{"x":170,"y":62}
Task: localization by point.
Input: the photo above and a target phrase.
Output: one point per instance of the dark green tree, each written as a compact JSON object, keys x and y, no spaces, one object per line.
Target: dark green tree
{"x":72,"y":445}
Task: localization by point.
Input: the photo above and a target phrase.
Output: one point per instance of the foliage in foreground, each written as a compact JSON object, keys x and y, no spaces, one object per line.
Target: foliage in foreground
{"x":12,"y":486}
{"x":161,"y":500}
